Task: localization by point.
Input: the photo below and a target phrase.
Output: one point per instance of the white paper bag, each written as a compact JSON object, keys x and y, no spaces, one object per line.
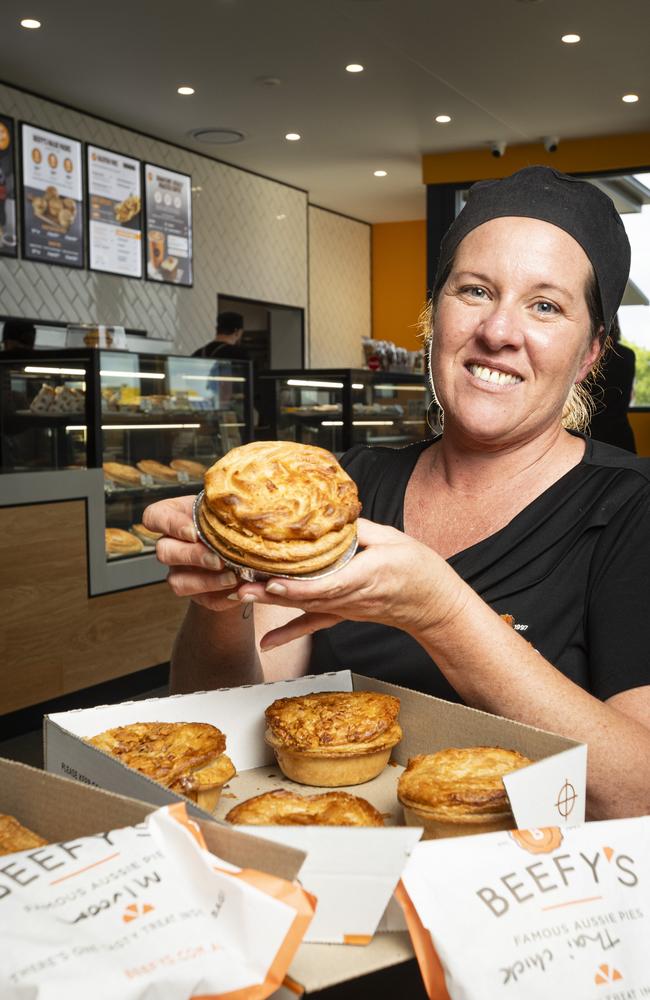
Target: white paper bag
{"x":533,"y":914}
{"x":141,"y":912}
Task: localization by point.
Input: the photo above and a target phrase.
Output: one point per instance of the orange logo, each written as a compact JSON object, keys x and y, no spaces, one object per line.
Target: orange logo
{"x":68,"y":165}
{"x":37,"y":156}
{"x":606,"y":974}
{"x":4,"y":137}
{"x":538,"y":841}
{"x":135,"y":910}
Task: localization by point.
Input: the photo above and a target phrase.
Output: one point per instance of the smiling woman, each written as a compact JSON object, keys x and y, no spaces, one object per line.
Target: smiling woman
{"x":506,"y":515}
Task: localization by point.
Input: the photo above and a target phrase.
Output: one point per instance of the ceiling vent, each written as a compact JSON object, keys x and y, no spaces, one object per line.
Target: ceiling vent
{"x":217,"y":136}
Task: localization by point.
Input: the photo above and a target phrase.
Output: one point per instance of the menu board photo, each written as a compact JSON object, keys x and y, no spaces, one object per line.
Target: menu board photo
{"x":114,"y":212}
{"x":8,"y":241}
{"x":168,"y":197}
{"x":52,"y":197}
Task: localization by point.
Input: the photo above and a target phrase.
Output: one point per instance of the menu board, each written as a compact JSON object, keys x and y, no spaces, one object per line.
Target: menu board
{"x":114,"y":212}
{"x":169,"y":225}
{"x":52,"y":197}
{"x":8,"y":241}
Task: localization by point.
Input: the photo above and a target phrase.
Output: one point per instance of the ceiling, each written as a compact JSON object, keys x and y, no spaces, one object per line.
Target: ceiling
{"x":497,"y":67}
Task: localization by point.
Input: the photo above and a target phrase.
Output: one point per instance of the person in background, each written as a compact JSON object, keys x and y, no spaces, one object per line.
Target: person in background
{"x":18,"y":335}
{"x":612,"y":392}
{"x":226,"y":345}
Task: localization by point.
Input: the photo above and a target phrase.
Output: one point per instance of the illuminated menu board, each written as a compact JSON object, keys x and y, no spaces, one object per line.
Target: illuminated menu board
{"x":52,"y":197}
{"x":168,"y":197}
{"x":114,"y":212}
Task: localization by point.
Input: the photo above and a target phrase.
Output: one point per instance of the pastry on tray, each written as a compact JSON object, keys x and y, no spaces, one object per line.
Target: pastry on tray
{"x":145,"y":535}
{"x":125,"y":475}
{"x":163,"y":473}
{"x":458,"y":791}
{"x":121,"y":543}
{"x":333,"y":738}
{"x":279,"y":507}
{"x":195,"y":470}
{"x":186,"y":757}
{"x":285,"y":808}
{"x":16,"y":837}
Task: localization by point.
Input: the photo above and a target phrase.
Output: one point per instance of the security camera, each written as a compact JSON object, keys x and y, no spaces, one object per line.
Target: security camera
{"x":497,"y":148}
{"x":551,"y":142}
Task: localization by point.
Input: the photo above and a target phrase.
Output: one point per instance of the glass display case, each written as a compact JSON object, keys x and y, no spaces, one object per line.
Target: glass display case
{"x":338,"y":407}
{"x":153,"y":423}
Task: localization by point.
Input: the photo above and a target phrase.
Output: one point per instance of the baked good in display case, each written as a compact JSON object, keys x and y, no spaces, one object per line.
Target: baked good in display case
{"x":146,"y":536}
{"x":186,"y":757}
{"x":278,"y":507}
{"x":121,"y":543}
{"x":459,"y":791}
{"x":125,"y":475}
{"x":195,"y":470}
{"x":158,"y":471}
{"x":285,"y":808}
{"x":16,"y":837}
{"x":333,"y":738}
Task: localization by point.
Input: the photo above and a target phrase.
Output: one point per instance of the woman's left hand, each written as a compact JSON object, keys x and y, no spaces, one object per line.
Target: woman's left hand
{"x":395,"y":580}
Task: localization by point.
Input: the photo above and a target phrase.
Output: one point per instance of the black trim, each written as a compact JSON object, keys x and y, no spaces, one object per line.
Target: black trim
{"x":146,"y":135}
{"x":82,"y":203}
{"x":10,"y":125}
{"x":180,"y":173}
{"x":343,"y":215}
{"x":120,"y":689}
{"x":127,"y":156}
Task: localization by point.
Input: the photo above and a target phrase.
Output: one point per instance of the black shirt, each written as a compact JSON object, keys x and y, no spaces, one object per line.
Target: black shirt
{"x":573,"y":568}
{"x":612,"y":392}
{"x":222,"y":351}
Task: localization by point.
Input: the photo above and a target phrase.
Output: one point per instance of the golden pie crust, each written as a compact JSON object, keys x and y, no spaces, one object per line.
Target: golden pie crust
{"x":163,"y":473}
{"x":280,"y":507}
{"x":146,"y":536}
{"x":285,"y":808}
{"x":16,"y":837}
{"x":195,"y":470}
{"x":333,"y":738}
{"x":459,"y":790}
{"x":126,"y":475}
{"x":186,"y":757}
{"x":122,"y":543}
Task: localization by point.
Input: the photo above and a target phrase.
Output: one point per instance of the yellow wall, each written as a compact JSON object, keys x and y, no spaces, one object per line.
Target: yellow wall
{"x":399,"y":277}
{"x":604,"y":152}
{"x":641,"y":427}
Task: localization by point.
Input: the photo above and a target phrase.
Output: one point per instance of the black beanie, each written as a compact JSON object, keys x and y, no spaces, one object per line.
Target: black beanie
{"x":579,"y":208}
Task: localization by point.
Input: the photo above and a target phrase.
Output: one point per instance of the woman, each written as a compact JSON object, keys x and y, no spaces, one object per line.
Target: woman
{"x":506,"y":513}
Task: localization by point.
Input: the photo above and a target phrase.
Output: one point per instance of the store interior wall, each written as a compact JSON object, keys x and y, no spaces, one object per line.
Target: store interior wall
{"x":398,"y":281}
{"x":339,"y":289}
{"x":250,"y":241}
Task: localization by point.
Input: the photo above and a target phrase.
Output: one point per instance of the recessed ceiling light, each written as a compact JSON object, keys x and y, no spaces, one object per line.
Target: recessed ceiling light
{"x":380,"y":173}
{"x":292,"y":136}
{"x":30,"y":22}
{"x":630,"y":98}
{"x":354,"y":68}
{"x":443,"y":119}
{"x":570,"y":39}
{"x":185,"y":91}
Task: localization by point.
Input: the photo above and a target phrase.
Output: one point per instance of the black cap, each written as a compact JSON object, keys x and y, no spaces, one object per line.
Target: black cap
{"x":579,"y":208}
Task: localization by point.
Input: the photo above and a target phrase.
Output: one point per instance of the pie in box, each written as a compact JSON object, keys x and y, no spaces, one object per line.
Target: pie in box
{"x":186,"y":757}
{"x":333,"y":738}
{"x":459,"y":791}
{"x":285,"y":808}
{"x":16,"y":837}
{"x":279,"y":508}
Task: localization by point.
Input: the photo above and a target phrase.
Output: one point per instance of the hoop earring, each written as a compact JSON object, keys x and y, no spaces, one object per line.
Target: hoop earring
{"x":435,"y":417}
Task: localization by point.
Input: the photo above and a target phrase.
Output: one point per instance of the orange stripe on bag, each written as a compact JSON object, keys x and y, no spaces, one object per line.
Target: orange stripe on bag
{"x":357,"y":938}
{"x":426,"y":954}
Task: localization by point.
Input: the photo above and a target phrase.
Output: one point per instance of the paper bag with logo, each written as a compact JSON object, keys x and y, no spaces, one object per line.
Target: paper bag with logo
{"x":533,"y":914}
{"x":140,"y":912}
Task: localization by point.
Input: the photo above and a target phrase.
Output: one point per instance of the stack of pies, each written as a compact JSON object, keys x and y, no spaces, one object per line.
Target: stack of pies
{"x":284,"y":808}
{"x":186,"y":757}
{"x":333,"y":738}
{"x":459,"y":791}
{"x":158,"y":471}
{"x":279,"y":507}
{"x":121,"y":543}
{"x":125,"y":475}
{"x":16,"y":837}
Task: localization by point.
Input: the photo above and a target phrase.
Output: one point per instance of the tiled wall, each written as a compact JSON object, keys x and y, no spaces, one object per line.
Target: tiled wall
{"x":339,"y":289}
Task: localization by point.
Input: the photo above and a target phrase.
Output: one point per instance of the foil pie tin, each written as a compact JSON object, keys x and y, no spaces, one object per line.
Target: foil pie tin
{"x":257,"y":575}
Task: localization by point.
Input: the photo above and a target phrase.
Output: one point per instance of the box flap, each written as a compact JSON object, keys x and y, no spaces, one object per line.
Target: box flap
{"x":550,"y":792}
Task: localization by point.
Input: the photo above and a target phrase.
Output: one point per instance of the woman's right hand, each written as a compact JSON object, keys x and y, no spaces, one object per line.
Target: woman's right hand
{"x":194,"y":571}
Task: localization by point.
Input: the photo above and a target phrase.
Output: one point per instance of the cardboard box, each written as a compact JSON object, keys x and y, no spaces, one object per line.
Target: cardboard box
{"x":352,"y":871}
